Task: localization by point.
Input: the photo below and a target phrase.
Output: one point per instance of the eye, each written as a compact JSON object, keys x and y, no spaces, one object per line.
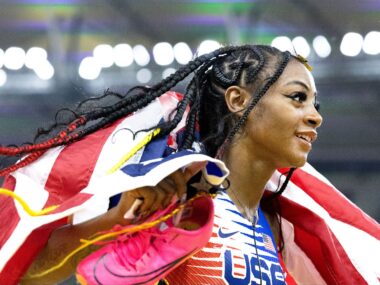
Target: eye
{"x":298,"y":96}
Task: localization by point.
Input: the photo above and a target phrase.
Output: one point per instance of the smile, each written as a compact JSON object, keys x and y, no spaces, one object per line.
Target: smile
{"x":306,"y":138}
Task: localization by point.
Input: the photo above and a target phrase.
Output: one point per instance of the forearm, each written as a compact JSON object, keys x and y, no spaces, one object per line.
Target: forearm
{"x":61,"y":243}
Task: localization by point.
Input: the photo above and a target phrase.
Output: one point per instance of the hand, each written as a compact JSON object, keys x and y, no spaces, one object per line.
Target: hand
{"x":146,"y":200}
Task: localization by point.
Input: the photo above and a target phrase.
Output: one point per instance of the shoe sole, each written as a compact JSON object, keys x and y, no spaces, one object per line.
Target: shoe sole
{"x":159,"y":273}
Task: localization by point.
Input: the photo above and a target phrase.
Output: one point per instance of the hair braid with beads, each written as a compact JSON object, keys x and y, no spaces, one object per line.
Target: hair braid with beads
{"x":254,"y":66}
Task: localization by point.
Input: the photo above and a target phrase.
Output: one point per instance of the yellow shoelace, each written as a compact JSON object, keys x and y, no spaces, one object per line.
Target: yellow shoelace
{"x":25,"y":206}
{"x":129,"y":230}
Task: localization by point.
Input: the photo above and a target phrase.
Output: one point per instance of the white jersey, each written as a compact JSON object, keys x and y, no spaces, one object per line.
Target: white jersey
{"x":230,"y":257}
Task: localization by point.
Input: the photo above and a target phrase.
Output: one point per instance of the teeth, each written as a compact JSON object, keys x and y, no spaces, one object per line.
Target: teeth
{"x":306,"y":138}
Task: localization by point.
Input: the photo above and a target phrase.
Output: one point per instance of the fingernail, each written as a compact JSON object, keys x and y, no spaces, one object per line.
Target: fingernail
{"x":130,"y":214}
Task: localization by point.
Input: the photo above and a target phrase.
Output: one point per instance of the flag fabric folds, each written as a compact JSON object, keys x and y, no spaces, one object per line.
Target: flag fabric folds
{"x":328,"y":240}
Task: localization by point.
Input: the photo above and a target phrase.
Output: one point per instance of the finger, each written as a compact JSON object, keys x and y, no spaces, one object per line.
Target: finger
{"x":126,"y":202}
{"x":150,"y":195}
{"x":131,"y":213}
{"x":167,"y":185}
{"x":178,"y":178}
{"x":194,"y":169}
{"x":160,"y":198}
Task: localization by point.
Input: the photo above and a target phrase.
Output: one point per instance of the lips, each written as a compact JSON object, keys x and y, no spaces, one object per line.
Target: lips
{"x":309,"y":136}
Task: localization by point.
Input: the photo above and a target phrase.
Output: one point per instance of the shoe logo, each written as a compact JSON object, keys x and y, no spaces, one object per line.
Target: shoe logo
{"x":226,"y":235}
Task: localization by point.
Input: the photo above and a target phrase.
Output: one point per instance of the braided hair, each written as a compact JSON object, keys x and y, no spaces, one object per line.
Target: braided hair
{"x":254,"y":66}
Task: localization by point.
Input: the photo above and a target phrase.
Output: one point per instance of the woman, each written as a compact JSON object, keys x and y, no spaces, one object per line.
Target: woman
{"x":257,"y":111}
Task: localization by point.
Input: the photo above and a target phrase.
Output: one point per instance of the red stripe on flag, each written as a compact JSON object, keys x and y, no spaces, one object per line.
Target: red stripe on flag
{"x":70,"y":173}
{"x":77,"y":200}
{"x":318,"y":242}
{"x":19,"y":263}
{"x":74,"y":166}
{"x":8,"y":210}
{"x":335,"y":203}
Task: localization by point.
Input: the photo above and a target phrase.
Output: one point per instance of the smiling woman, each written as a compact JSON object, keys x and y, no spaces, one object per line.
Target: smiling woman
{"x":289,"y":110}
{"x":254,"y":109}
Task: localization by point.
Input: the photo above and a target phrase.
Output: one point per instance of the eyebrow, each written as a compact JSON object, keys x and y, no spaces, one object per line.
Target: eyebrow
{"x":297,"y":82}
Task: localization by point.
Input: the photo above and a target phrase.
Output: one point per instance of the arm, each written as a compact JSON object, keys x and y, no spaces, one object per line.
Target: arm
{"x":65,"y":239}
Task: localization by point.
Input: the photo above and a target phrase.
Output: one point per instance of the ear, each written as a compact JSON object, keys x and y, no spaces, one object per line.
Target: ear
{"x":237,"y":98}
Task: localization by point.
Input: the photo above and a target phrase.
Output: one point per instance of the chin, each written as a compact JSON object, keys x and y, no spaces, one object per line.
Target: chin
{"x":298,"y":162}
{"x":293,"y":160}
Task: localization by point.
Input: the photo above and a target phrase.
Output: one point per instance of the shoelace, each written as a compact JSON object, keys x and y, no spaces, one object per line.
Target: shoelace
{"x":128,"y":249}
{"x":114,"y":233}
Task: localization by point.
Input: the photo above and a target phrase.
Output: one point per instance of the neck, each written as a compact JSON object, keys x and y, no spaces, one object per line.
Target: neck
{"x":248,"y":177}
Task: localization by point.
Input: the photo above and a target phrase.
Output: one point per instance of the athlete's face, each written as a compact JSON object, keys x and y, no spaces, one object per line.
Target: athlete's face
{"x":282,"y":127}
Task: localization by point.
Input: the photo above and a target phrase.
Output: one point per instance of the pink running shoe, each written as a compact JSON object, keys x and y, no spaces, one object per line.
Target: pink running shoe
{"x":147,"y":256}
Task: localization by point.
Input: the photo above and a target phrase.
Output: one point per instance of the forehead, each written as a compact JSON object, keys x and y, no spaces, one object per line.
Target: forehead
{"x":296,"y":71}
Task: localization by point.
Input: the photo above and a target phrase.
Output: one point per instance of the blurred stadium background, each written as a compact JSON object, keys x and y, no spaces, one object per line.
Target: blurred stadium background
{"x":54,"y":53}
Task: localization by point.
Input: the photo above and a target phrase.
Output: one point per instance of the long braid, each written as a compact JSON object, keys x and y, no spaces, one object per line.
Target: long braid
{"x":122,"y":108}
{"x":195,"y":87}
{"x":25,"y":161}
{"x":239,"y":68}
{"x":230,"y":66}
{"x":77,"y":129}
{"x":258,"y":96}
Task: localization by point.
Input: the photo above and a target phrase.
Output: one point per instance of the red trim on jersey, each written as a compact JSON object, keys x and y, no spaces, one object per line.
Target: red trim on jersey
{"x":288,"y":278}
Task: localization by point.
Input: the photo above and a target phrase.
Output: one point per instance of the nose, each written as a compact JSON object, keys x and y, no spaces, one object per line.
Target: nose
{"x":313,"y":118}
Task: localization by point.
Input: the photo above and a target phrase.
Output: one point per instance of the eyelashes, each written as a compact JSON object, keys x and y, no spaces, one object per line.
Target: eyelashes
{"x":299,"y":97}
{"x":302,"y":97}
{"x":317,"y":105}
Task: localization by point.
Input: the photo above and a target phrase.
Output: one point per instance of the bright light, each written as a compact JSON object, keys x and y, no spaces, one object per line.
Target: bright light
{"x":208,"y":46}
{"x":167,"y":72}
{"x":144,"y":75}
{"x":182,"y":53}
{"x":123,"y":55}
{"x":103,"y":54}
{"x":283,"y":44}
{"x":1,"y":58}
{"x":44,"y":70}
{"x":163,"y":53}
{"x":141,"y":55}
{"x":89,"y":68}
{"x":371,"y":43}
{"x":301,"y":46}
{"x":34,"y":56}
{"x":351,"y":44}
{"x":14,"y":58}
{"x":321,"y":46}
{"x":3,"y":77}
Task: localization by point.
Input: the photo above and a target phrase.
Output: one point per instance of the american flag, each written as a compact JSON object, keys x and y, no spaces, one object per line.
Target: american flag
{"x":75,"y":178}
{"x":268,"y":244}
{"x":328,"y":240}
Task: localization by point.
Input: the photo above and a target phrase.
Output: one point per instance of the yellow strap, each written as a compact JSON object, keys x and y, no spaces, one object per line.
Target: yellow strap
{"x":27,"y":209}
{"x":135,"y":149}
